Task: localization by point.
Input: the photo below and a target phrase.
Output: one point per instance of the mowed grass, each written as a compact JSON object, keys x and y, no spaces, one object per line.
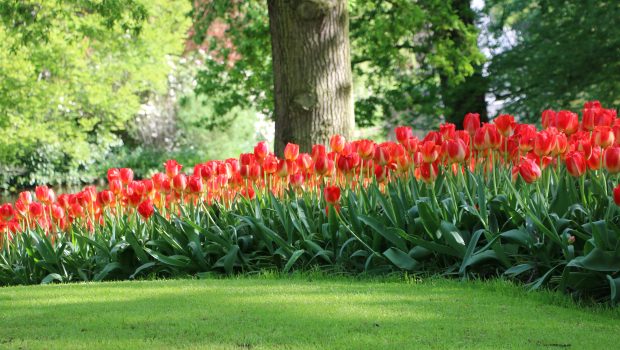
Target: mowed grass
{"x":298,"y":313}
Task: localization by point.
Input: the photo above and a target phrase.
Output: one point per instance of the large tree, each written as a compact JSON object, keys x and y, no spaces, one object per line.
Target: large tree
{"x":400,"y":50}
{"x":312,"y":71}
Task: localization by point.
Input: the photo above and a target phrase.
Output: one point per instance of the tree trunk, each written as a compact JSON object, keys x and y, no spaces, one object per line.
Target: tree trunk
{"x":312,"y":71}
{"x":469,"y":95}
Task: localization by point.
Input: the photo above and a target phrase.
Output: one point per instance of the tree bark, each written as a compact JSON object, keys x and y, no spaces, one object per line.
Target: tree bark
{"x":312,"y":71}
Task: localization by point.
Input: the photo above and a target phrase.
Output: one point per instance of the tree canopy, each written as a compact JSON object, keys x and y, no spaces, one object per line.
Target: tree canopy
{"x":73,"y":76}
{"x":554,"y":53}
{"x":399,"y":50}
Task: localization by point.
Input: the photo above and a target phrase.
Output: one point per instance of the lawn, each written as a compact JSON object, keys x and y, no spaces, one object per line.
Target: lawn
{"x":298,"y":313}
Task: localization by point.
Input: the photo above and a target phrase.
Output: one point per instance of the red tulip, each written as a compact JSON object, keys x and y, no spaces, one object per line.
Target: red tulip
{"x":126,"y":175}
{"x":366,"y":149}
{"x":529,"y":170}
{"x":337,"y":143}
{"x":58,"y":212}
{"x":381,"y":173}
{"x":594,"y":161}
{"x":616,"y":130}
{"x":447,"y":131}
{"x":105,"y":197}
{"x":318,"y":151}
{"x":382,"y":155}
{"x":304,"y":161}
{"x":548,"y":118}
{"x":505,"y":124}
{"x":471,"y":123}
{"x":429,"y":151}
{"x":527,"y":137}
{"x":611,"y":159}
{"x":603,"y":136}
{"x":457,"y":150}
{"x":617,"y":195}
{"x":195,"y":184}
{"x":561,"y":145}
{"x":179,"y":183}
{"x":146,"y":209}
{"x":25,"y":197}
{"x":261,"y":150}
{"x":270,"y":164}
{"x":291,"y":151}
{"x":332,"y":194}
{"x":567,"y":121}
{"x":6,"y":211}
{"x":113,"y":174}
{"x":255,"y":172}
{"x":284,"y":168}
{"x":403,"y":133}
{"x":246,"y":158}
{"x":487,"y":137}
{"x":43,"y":194}
{"x":158,"y":179}
{"x":297,"y":180}
{"x":116,"y":186}
{"x":321,"y":165}
{"x":172,"y":168}
{"x":575,"y":163}
{"x":411,"y":145}
{"x":544,"y":143}
{"x":429,"y":172}
{"x":35,"y":209}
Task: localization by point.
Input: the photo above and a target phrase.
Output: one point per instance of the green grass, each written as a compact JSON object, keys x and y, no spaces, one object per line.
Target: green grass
{"x":298,"y":313}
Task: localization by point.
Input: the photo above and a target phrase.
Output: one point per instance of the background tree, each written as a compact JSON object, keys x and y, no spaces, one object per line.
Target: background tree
{"x":74,"y":74}
{"x":554,"y":54}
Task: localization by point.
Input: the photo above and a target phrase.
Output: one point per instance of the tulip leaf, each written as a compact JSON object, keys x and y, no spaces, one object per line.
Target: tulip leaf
{"x":106,"y":270}
{"x":597,"y":260}
{"x":401,"y":259}
{"x":518,"y":269}
{"x":391,"y":234}
{"x":51,"y":277}
{"x":291,"y":261}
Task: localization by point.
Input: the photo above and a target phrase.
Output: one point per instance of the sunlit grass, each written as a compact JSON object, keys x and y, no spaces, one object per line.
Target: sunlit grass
{"x":298,"y":313}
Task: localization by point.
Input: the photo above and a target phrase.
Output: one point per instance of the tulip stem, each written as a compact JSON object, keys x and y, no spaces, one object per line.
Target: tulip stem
{"x":582,"y":183}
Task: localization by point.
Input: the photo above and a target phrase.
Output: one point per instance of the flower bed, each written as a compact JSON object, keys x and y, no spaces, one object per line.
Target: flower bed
{"x":494,"y":199}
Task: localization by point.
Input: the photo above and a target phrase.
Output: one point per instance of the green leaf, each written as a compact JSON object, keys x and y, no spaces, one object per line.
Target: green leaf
{"x":597,"y":260}
{"x":614,"y":286}
{"x":291,"y":261}
{"x":143,"y":267}
{"x":518,"y":269}
{"x":391,"y":234}
{"x":106,"y":270}
{"x":180,"y":261}
{"x":51,"y":277}
{"x":430,"y":221}
{"x":452,"y":236}
{"x":228,"y":260}
{"x":401,"y":259}
{"x":519,"y":236}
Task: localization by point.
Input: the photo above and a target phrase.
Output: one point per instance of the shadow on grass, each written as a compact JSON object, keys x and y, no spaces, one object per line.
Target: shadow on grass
{"x":294,"y":314}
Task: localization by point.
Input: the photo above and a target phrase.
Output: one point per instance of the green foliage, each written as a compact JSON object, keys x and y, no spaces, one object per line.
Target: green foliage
{"x":194,"y":143}
{"x":71,"y":84}
{"x":564,"y":53}
{"x":399,"y":51}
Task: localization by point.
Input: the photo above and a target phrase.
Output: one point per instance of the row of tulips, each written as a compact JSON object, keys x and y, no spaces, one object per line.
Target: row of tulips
{"x":500,"y":197}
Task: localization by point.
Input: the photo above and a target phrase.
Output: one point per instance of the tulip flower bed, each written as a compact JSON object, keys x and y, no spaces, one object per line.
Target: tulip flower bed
{"x":501,"y":198}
